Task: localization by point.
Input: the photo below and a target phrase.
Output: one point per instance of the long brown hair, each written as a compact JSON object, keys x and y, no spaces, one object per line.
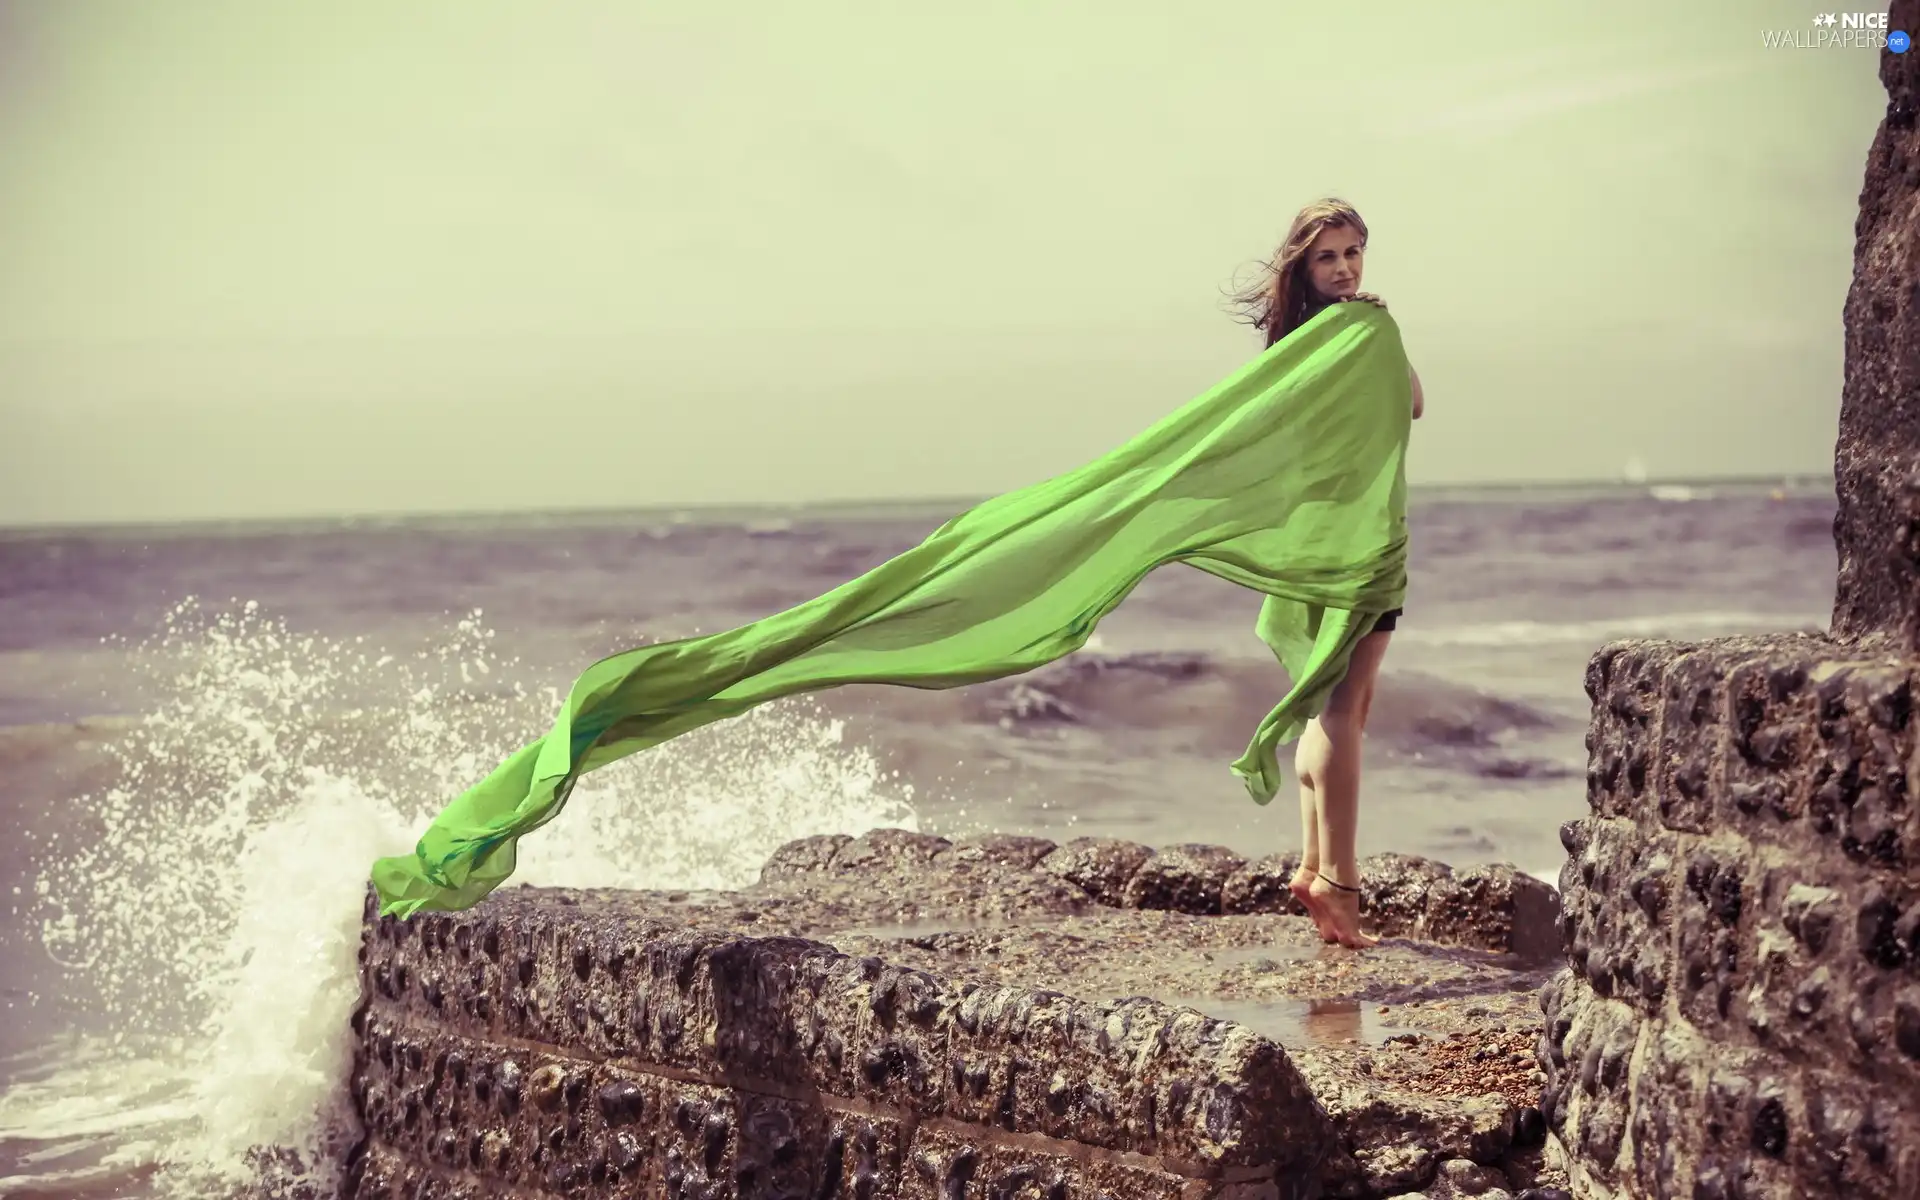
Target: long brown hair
{"x":1280,"y":302}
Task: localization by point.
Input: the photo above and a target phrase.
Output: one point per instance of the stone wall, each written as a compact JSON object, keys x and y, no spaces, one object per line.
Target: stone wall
{"x":1741,"y":1017}
{"x":555,"y":1046}
{"x":1741,"y":1013}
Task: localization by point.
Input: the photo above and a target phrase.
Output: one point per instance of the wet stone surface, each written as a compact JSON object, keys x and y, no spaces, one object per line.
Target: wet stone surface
{"x":901,"y":1015}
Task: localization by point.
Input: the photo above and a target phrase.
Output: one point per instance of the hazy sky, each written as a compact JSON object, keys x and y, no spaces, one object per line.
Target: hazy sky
{"x":264,"y":260}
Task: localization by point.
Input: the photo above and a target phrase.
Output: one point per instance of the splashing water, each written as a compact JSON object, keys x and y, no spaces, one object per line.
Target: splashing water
{"x":208,"y":905}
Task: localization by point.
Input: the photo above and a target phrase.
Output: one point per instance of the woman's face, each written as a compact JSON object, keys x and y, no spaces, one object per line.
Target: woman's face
{"x":1333,"y":262}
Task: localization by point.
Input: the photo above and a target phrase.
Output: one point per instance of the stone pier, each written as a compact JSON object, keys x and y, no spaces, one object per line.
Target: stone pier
{"x":1740,"y":1016}
{"x":898,"y":1015}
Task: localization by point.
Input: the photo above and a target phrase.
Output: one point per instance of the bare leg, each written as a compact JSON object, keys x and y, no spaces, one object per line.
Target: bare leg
{"x":1339,"y":795}
{"x":1336,"y":774}
{"x":1310,"y":751}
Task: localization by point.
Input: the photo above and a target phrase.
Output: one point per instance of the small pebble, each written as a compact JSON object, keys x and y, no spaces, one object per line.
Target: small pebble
{"x":1466,"y":1177}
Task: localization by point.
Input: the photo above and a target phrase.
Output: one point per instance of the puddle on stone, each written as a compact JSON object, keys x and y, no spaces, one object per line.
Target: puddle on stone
{"x":1302,"y":1022}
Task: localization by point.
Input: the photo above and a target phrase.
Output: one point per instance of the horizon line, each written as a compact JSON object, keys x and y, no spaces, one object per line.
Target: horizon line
{"x":716,"y":508}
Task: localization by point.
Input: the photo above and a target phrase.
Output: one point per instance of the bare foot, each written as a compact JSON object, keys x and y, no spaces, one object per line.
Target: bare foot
{"x":1302,"y":889}
{"x":1342,"y":909}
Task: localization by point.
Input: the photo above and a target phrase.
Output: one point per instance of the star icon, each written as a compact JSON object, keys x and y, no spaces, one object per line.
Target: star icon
{"x":1823,"y":19}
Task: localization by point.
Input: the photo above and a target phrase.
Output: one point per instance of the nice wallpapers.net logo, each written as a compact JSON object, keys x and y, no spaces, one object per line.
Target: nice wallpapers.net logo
{"x":1840,"y":31}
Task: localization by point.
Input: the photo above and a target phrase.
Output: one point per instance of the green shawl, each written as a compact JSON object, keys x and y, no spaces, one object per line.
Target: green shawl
{"x":1288,"y":477}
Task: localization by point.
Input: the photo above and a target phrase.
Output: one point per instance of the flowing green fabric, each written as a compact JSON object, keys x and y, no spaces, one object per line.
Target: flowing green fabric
{"x":1288,"y":477}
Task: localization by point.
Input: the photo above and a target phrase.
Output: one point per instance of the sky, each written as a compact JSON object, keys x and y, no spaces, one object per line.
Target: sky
{"x":264,"y":261}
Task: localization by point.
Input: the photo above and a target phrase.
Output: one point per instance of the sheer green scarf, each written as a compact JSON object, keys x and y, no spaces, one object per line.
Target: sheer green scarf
{"x":1287,"y":477}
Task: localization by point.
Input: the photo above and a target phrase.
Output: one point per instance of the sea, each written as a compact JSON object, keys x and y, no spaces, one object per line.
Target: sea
{"x":207,"y":734}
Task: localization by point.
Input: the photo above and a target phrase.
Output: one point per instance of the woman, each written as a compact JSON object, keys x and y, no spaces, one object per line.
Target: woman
{"x":1320,"y":264}
{"x":1287,"y":476}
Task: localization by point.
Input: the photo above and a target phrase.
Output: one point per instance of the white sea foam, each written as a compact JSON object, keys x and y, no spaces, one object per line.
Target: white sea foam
{"x":209,"y":904}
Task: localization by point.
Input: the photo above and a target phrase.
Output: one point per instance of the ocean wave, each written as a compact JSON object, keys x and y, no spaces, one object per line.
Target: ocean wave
{"x":202,"y":907}
{"x":1413,"y":713}
{"x":1090,"y":687}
